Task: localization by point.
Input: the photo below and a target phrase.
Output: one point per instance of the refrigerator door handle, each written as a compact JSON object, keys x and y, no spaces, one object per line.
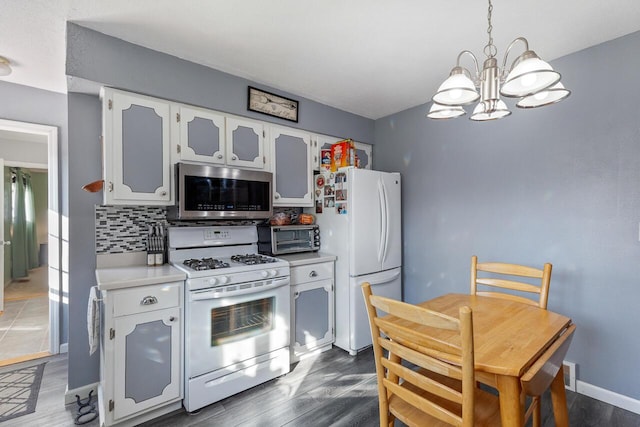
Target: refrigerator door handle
{"x":386,"y":222}
{"x":384,"y":280}
{"x":383,"y":220}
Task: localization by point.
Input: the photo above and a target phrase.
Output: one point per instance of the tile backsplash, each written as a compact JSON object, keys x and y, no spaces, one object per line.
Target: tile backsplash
{"x":121,"y":229}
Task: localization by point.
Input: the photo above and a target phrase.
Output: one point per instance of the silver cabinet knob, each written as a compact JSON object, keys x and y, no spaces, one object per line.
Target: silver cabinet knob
{"x":163,"y":193}
{"x":172,"y":319}
{"x":219,"y":156}
{"x":313,"y":273}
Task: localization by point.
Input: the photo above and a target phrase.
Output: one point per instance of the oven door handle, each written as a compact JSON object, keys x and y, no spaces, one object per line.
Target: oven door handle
{"x":223,"y":291}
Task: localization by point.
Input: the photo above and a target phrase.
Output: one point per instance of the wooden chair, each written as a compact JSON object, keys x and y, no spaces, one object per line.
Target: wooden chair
{"x":542,"y":373}
{"x":440,"y":390}
{"x":489,"y":284}
{"x":499,"y":279}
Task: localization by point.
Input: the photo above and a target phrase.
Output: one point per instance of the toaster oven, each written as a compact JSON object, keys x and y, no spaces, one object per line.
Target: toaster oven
{"x":288,"y":239}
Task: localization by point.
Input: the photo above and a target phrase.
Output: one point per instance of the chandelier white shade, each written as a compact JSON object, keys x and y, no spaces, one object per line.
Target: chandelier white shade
{"x":5,"y":67}
{"x":439,"y":111}
{"x":530,"y":75}
{"x":458,"y":89}
{"x":490,"y":110}
{"x":549,"y":96}
{"x":529,"y":78}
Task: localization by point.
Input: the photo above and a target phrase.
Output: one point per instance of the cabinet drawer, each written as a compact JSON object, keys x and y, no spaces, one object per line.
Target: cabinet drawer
{"x":146,"y":298}
{"x":312,"y":272}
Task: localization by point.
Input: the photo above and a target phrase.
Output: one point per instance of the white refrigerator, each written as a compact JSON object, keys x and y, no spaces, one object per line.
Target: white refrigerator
{"x":359,"y":214}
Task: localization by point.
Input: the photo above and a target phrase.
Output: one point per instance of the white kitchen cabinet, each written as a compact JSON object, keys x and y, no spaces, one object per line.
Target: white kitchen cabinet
{"x":207,"y":136}
{"x":363,"y":151}
{"x":312,"y":305}
{"x":199,"y":135}
{"x":136,"y":149}
{"x":292,"y":166}
{"x":322,"y":142}
{"x":365,"y":155}
{"x":141,"y":353}
{"x":246,"y":144}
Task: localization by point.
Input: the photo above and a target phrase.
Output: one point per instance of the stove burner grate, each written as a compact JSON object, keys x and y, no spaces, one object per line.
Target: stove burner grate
{"x":252,"y":259}
{"x":205,"y":264}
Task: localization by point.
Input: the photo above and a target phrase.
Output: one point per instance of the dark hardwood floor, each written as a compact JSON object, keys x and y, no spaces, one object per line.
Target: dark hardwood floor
{"x":333,"y":389}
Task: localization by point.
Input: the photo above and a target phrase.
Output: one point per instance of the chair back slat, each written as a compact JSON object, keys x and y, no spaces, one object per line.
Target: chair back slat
{"x":493,"y":281}
{"x":511,"y":269}
{"x":427,"y":361}
{"x":415,"y":341}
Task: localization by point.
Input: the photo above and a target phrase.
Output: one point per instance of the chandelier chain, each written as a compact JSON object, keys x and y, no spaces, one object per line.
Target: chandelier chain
{"x":490,"y":49}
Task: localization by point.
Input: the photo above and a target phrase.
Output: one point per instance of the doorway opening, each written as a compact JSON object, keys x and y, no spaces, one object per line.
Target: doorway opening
{"x":31,"y":296}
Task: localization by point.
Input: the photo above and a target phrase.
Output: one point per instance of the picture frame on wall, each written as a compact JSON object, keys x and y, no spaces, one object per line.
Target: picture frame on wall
{"x":271,"y":104}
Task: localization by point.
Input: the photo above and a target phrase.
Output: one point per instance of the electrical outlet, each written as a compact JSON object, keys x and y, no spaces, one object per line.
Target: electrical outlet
{"x":569,"y":369}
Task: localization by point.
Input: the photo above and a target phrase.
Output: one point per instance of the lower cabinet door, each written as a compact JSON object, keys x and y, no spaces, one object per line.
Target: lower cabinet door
{"x":146,"y":361}
{"x":313,"y":316}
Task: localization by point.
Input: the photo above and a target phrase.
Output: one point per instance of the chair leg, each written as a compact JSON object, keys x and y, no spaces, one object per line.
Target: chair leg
{"x":537,"y":413}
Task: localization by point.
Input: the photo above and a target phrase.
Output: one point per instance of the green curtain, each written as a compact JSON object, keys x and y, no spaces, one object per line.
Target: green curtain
{"x":24,"y":245}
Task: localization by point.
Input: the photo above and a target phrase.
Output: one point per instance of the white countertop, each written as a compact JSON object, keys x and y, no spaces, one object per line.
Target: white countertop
{"x":130,"y":276}
{"x":305,"y":258}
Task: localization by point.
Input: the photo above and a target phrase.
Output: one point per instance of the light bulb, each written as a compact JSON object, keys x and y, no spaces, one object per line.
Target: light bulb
{"x":455,"y":94}
{"x":541,"y":95}
{"x":529,"y":79}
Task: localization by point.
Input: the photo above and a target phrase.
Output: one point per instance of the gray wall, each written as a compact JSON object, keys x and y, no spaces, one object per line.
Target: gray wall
{"x":93,"y":57}
{"x":85,"y":157}
{"x":27,"y":104}
{"x":560,"y":184}
{"x":113,"y":62}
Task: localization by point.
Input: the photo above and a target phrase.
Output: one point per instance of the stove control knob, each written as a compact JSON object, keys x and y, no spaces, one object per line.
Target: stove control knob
{"x":224,"y":279}
{"x":264,"y":273}
{"x":273,"y":273}
{"x":213,"y":281}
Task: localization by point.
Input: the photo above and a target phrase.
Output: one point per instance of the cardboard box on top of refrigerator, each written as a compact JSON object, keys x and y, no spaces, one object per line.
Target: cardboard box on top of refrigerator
{"x":325,"y":159}
{"x":342,"y":154}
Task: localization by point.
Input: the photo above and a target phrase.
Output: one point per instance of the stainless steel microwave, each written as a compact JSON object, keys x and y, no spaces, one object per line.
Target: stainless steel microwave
{"x":288,"y":239}
{"x":214,"y":192}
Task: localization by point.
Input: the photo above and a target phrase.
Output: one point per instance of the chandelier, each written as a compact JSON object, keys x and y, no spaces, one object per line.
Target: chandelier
{"x":529,"y":78}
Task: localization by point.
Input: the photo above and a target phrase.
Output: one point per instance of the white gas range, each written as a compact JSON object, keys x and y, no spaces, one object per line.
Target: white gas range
{"x":237,"y":311}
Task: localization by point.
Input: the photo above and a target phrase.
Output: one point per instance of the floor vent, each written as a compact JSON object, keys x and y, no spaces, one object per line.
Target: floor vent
{"x":569,"y":369}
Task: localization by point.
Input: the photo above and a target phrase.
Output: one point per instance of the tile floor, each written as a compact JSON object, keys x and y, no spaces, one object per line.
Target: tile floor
{"x":24,"y":327}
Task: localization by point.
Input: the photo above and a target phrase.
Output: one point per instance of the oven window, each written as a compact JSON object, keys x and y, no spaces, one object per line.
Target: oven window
{"x":240,"y":321}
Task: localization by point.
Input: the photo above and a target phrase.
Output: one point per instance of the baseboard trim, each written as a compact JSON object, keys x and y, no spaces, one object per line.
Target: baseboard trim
{"x":64,"y":348}
{"x":83,"y":392}
{"x":607,"y":396}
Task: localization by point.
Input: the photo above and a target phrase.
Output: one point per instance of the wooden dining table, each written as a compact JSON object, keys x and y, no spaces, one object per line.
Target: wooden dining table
{"x":508,"y":338}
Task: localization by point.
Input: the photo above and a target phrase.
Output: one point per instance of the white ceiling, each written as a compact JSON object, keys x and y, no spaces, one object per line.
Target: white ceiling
{"x":369,"y":57}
